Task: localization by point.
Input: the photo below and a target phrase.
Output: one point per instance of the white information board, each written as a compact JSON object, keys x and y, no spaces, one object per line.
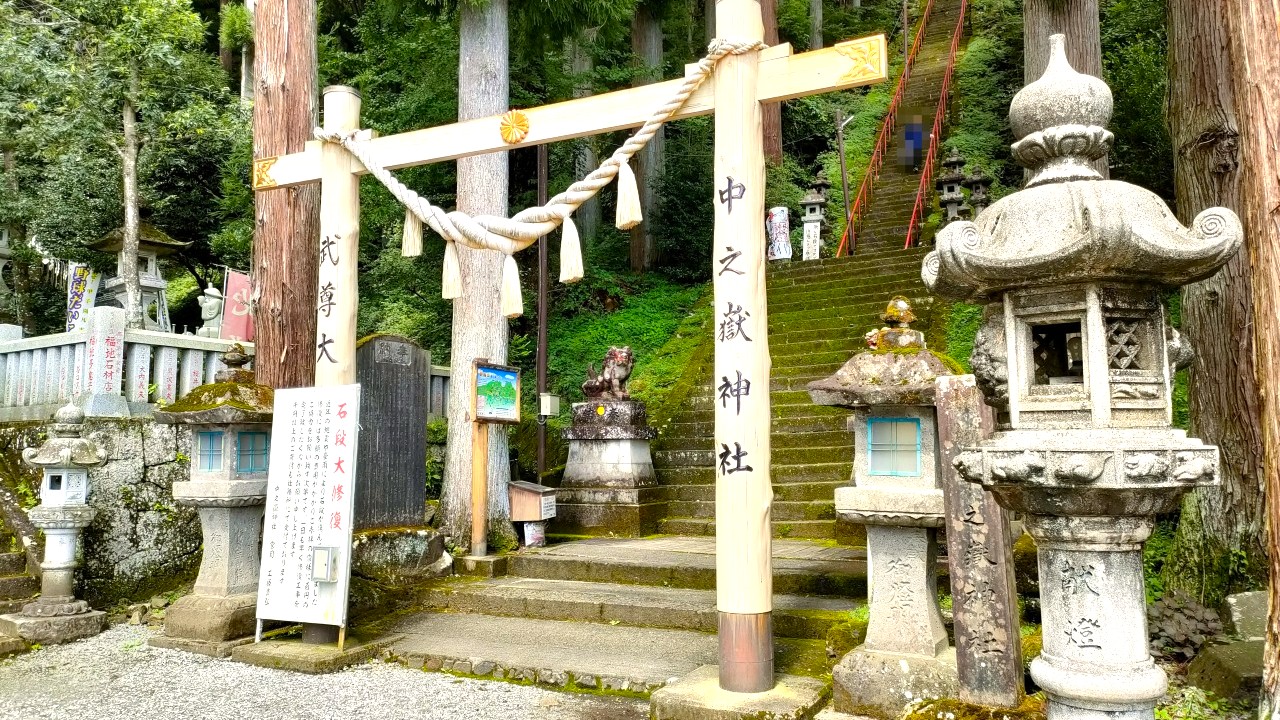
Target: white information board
{"x":306,"y":539}
{"x":812,"y":239}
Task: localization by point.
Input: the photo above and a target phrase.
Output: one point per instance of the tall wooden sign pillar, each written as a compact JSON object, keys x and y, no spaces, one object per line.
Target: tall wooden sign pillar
{"x":339,"y":291}
{"x":744,"y":493}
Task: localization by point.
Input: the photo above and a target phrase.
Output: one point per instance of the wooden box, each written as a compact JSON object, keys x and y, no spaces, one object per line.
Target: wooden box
{"x":531,"y":502}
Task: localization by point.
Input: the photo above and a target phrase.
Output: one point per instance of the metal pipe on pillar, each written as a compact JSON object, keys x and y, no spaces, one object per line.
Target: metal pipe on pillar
{"x":744,"y":494}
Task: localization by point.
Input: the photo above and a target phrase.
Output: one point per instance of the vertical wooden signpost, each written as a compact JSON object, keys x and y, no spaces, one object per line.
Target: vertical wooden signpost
{"x":744,"y":492}
{"x":741,"y":82}
{"x":495,"y":398}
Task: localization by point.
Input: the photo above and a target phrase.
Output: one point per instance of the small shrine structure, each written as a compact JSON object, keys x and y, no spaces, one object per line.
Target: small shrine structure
{"x":153,"y":244}
{"x":1076,"y":355}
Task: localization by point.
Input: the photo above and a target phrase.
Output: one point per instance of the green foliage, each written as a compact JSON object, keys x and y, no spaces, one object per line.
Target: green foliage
{"x":1179,"y":626}
{"x":1192,"y":703}
{"x":961,"y":327}
{"x":235,"y":26}
{"x":1134,"y":64}
{"x":1154,"y":553}
{"x":437,"y":431}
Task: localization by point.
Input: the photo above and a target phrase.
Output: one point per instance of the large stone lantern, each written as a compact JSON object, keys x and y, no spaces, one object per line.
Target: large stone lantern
{"x":57,"y":616}
{"x":230,"y":421}
{"x":1076,"y":355}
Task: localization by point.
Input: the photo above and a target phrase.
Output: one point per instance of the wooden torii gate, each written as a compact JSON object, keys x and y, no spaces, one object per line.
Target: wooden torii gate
{"x":741,"y":451}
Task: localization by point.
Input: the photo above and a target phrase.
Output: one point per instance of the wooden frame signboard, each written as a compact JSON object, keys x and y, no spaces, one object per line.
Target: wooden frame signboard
{"x":497,"y":392}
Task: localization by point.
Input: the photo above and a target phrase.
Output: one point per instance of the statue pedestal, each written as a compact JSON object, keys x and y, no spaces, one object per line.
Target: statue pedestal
{"x":609,"y":485}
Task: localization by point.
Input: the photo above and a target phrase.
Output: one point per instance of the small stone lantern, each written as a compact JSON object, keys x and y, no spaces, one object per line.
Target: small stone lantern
{"x":814,"y":205}
{"x":57,"y":616}
{"x":978,"y":184}
{"x":897,"y":495}
{"x":230,"y":421}
{"x":1076,"y":355}
{"x":949,"y":184}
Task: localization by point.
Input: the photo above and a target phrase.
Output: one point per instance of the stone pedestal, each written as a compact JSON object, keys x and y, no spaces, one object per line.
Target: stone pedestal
{"x":57,"y":616}
{"x":221,"y":613}
{"x":906,"y":656}
{"x":698,"y":696}
{"x":609,"y":486}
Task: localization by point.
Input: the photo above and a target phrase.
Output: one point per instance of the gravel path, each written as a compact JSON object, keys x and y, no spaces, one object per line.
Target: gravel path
{"x":117,"y":676}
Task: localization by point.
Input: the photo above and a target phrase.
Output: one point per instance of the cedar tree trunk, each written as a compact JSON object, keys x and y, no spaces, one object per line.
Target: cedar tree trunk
{"x":479,"y":328}
{"x":646,"y":43}
{"x":287,"y":222}
{"x":1078,"y":20}
{"x":771,"y":113}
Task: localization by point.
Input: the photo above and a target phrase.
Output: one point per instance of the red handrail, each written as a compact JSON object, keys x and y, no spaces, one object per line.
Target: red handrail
{"x":926,"y":176}
{"x":882,"y":140}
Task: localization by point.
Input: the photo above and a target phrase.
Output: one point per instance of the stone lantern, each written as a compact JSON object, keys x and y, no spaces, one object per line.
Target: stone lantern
{"x":814,"y":205}
{"x":897,"y":495}
{"x":153,"y":244}
{"x":1076,"y":355}
{"x":230,"y":421}
{"x":978,"y":184}
{"x":57,"y":616}
{"x":949,"y":184}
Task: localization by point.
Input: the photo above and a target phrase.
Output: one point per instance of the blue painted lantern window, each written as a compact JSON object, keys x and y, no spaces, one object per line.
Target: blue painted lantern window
{"x":252,"y":451}
{"x":894,"y":445}
{"x":209,"y":450}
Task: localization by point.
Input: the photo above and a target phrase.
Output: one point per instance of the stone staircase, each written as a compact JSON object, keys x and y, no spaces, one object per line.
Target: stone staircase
{"x":884,"y":225}
{"x":17,"y":587}
{"x":818,"y":314}
{"x":622,"y":616}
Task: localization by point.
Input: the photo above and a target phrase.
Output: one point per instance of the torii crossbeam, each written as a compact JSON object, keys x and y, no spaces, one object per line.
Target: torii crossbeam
{"x":741,"y":450}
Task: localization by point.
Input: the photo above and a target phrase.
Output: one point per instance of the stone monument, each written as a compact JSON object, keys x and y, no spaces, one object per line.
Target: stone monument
{"x":57,"y":616}
{"x":211,"y":304}
{"x":230,"y":421}
{"x":897,"y":494}
{"x":1076,"y":355}
{"x":609,"y":486}
{"x":394,"y":374}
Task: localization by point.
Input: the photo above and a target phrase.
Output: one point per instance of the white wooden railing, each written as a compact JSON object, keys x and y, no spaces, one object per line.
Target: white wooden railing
{"x":109,"y":370}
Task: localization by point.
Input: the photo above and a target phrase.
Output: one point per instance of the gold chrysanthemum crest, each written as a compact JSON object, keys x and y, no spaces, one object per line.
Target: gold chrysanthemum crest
{"x":514,"y":126}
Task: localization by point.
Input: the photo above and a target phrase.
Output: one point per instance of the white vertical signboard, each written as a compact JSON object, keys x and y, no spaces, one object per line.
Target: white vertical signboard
{"x":306,"y":539}
{"x":812,"y":239}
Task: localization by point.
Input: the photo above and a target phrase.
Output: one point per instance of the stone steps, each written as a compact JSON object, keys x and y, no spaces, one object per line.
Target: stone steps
{"x":687,"y":469}
{"x":18,"y":587}
{"x":796,"y":616}
{"x":782,"y":511}
{"x":845,"y":533}
{"x":14,"y":563}
{"x":799,"y":491}
{"x":799,"y":567}
{"x":778,"y":440}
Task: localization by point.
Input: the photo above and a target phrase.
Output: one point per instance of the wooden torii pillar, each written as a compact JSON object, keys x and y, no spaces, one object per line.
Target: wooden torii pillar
{"x":744,"y":492}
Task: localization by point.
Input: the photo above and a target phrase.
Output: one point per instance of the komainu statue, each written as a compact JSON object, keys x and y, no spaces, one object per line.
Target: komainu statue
{"x":611,"y":382}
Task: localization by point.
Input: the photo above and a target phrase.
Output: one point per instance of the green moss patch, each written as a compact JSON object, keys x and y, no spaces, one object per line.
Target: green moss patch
{"x":1032,"y":708}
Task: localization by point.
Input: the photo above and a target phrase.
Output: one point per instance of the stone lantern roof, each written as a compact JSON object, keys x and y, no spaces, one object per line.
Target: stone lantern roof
{"x":897,"y":369}
{"x":67,"y":447}
{"x":150,"y":237}
{"x":1068,"y":224}
{"x":233,"y":397}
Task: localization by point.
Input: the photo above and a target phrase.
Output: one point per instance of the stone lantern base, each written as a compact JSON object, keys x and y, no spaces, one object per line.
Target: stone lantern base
{"x":609,"y":485}
{"x":208,"y":625}
{"x":55,"y":629}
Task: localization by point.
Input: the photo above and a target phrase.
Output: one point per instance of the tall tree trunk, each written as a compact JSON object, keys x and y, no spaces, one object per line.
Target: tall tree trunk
{"x":646,"y":43}
{"x":129,"y":169}
{"x":226,"y":57}
{"x":585,"y":159}
{"x":1221,"y":524}
{"x":479,"y":328}
{"x":18,"y":305}
{"x":1078,"y":20}
{"x":1254,"y":27}
{"x":709,"y":19}
{"x":771,"y":112}
{"x":287,"y":222}
{"x":815,"y":25}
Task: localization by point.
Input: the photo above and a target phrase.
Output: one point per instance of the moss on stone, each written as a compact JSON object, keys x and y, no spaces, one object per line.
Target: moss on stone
{"x":1032,"y":644}
{"x":236,"y":393}
{"x":1032,"y":708}
{"x":847,"y":635}
{"x":1026,"y":565}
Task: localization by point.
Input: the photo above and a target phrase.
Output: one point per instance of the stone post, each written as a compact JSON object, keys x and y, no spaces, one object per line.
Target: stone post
{"x":104,"y":364}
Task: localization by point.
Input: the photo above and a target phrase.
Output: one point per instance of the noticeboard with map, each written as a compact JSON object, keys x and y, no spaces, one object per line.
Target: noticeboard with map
{"x":497,"y":393}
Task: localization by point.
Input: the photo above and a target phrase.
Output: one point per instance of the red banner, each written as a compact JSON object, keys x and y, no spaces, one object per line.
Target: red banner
{"x":237,"y":322}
